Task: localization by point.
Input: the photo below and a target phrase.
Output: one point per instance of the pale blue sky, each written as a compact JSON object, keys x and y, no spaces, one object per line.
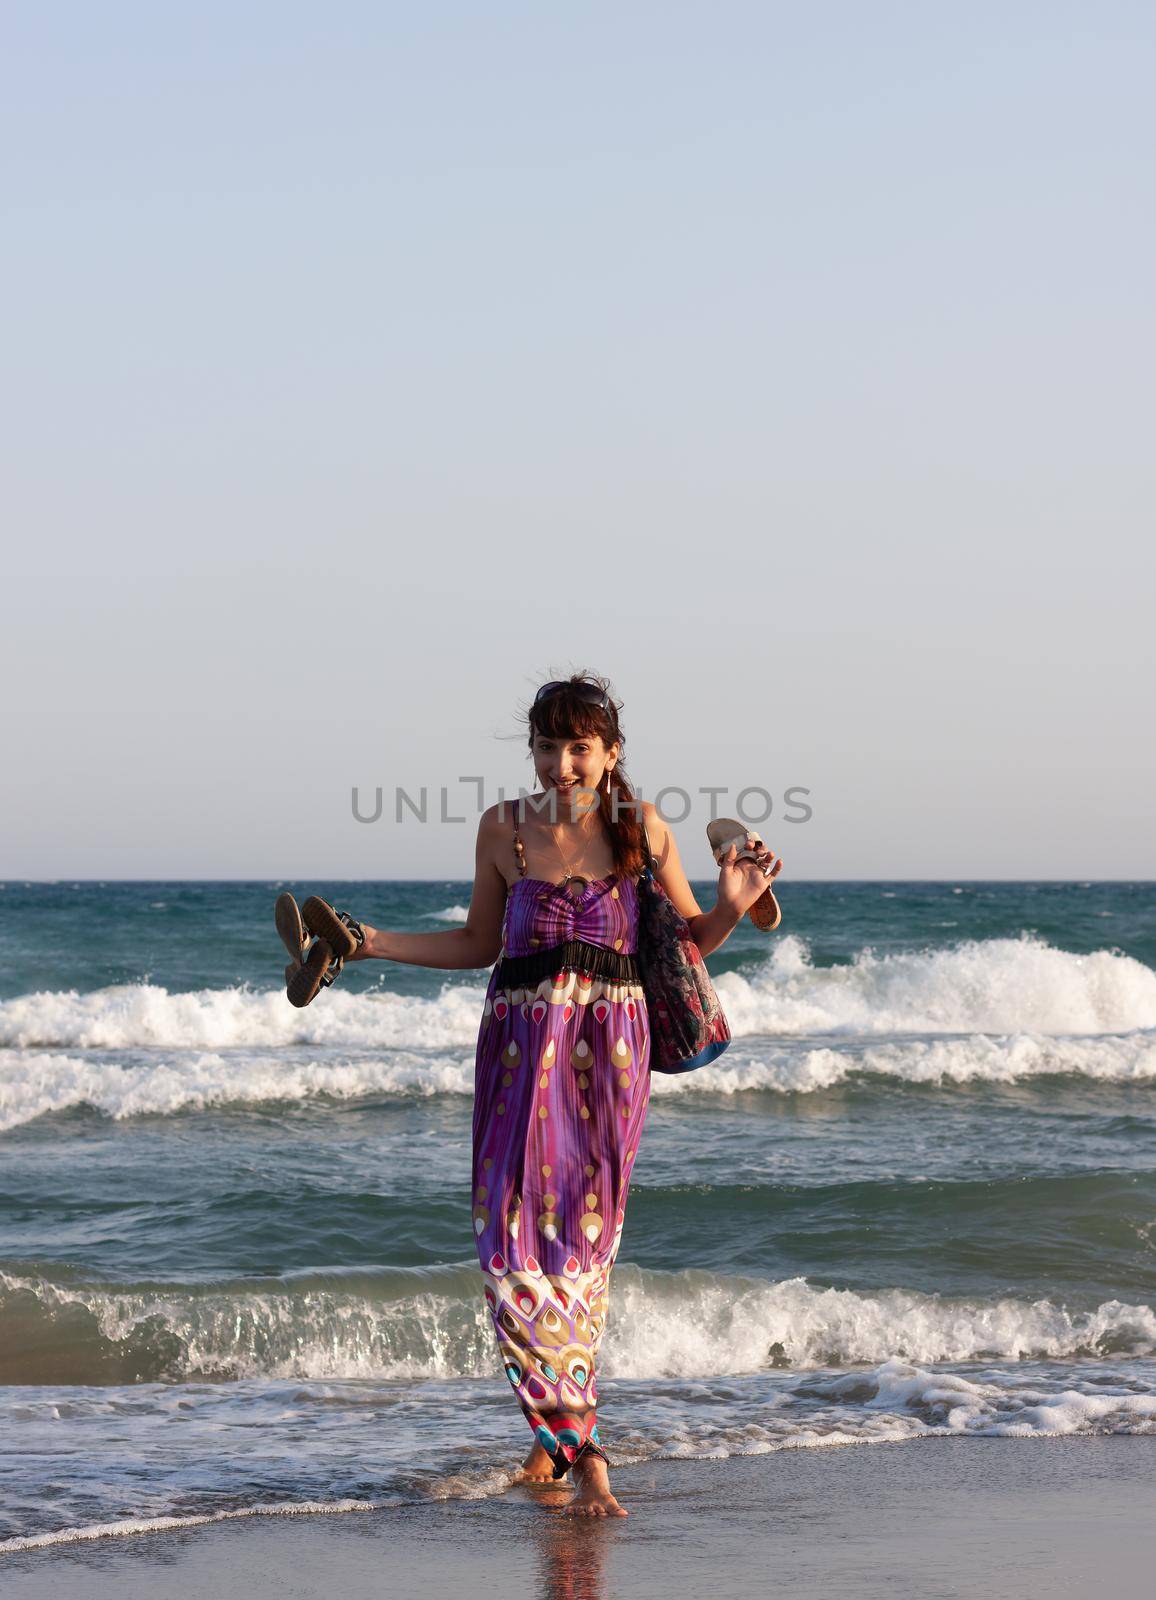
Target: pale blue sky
{"x":365,"y":364}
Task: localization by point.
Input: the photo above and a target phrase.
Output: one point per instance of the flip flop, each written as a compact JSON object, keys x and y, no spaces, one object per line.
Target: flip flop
{"x":765,"y":913}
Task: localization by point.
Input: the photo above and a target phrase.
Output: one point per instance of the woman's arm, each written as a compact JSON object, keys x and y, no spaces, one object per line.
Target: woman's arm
{"x":741,"y":883}
{"x":478,"y":943}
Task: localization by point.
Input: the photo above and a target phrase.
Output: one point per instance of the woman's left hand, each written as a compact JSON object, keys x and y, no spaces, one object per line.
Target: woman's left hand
{"x":364,"y":950}
{"x":741,"y":883}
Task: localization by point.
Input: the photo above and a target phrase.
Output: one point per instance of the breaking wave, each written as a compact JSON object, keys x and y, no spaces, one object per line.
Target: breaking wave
{"x":997,"y":986}
{"x":431,"y":1323}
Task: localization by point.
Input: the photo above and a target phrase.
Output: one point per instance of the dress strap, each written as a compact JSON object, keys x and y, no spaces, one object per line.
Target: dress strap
{"x":519,"y":847}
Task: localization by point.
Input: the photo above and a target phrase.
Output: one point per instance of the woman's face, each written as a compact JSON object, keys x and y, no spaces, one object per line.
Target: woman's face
{"x":567,"y":764}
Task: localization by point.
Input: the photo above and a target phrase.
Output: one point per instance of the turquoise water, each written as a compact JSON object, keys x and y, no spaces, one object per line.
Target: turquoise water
{"x":918,"y":1193}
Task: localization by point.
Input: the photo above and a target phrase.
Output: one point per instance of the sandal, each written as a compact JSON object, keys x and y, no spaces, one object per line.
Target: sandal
{"x":317,"y":971}
{"x":765,"y":913}
{"x":287,"y":918}
{"x":342,"y":934}
{"x":335,"y":936}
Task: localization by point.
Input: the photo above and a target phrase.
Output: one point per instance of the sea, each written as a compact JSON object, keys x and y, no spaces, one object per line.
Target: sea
{"x":917,"y":1196}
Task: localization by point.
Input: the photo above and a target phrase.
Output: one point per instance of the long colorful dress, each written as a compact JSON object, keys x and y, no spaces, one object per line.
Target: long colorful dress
{"x":562,"y":1085}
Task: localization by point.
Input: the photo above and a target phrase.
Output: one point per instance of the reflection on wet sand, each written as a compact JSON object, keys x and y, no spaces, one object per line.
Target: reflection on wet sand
{"x":570,"y":1551}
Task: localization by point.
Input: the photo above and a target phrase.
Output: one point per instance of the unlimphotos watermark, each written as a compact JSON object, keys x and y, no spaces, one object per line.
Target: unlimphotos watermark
{"x":752,"y":804}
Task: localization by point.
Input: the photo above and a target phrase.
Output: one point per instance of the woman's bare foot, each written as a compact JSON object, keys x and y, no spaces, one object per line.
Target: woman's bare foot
{"x":592,"y":1498}
{"x":538,"y":1467}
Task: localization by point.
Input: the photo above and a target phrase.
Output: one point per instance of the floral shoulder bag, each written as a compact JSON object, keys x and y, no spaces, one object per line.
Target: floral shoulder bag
{"x":687,"y":1025}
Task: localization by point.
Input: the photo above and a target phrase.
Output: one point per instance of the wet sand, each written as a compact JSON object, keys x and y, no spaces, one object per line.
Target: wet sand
{"x":929,"y":1518}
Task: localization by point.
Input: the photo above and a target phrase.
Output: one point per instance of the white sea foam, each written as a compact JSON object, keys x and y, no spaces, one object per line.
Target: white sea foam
{"x":148,"y":1016}
{"x":449,"y":914}
{"x":980,"y":1058}
{"x":129,"y":1525}
{"x":999,"y":1012}
{"x":1002,"y":986}
{"x":994,"y":986}
{"x":680,"y":1325}
{"x":36,"y":1083}
{"x":953,"y":1403}
{"x":894,"y":1402}
{"x":685,"y":1324}
{"x":899,"y":1401}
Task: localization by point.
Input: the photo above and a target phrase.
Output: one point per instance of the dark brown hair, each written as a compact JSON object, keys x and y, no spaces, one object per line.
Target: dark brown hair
{"x":565,"y":715}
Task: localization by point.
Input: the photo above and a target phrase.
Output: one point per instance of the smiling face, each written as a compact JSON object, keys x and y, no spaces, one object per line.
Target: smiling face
{"x":569,"y":762}
{"x":574,"y":743}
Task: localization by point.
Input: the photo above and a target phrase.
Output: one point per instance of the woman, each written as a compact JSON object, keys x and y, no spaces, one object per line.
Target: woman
{"x":562,"y":1073}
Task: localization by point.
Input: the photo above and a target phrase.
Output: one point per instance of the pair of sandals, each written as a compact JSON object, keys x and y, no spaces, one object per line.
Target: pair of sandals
{"x":765,"y":913}
{"x":319,"y":941}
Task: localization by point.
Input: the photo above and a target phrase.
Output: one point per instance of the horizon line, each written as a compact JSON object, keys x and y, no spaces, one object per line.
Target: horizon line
{"x":324,"y":877}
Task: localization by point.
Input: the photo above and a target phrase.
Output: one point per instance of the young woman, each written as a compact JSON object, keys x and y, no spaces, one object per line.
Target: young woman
{"x":562,"y":1074}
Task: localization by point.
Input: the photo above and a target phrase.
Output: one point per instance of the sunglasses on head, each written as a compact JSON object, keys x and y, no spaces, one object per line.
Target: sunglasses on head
{"x":589,"y":692}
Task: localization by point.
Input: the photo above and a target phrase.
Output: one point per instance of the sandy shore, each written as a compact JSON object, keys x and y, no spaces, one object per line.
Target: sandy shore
{"x":928,"y":1518}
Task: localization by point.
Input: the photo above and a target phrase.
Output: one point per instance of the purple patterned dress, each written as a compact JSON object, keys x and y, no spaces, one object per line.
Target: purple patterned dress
{"x":562,"y":1086}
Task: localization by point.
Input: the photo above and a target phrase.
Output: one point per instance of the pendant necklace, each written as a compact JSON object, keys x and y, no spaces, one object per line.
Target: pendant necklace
{"x":571,"y":877}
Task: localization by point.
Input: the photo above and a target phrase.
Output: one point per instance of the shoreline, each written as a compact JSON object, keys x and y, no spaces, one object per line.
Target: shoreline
{"x":953,"y":1518}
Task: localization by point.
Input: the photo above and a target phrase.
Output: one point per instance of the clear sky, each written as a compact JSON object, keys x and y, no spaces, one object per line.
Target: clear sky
{"x":367,"y":363}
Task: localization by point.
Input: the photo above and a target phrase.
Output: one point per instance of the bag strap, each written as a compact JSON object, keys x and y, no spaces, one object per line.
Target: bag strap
{"x":647,"y":855}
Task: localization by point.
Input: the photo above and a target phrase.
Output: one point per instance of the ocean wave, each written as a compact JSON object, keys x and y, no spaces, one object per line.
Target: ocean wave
{"x":146,"y":1016}
{"x":954,"y":1403}
{"x":1000,"y":986}
{"x":130,"y":1525}
{"x":36,"y":1084}
{"x":993,"y":986}
{"x":449,"y":914}
{"x":431,"y":1323}
{"x":899,"y":1401}
{"x":893,"y":1403}
{"x":977,"y":1058}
